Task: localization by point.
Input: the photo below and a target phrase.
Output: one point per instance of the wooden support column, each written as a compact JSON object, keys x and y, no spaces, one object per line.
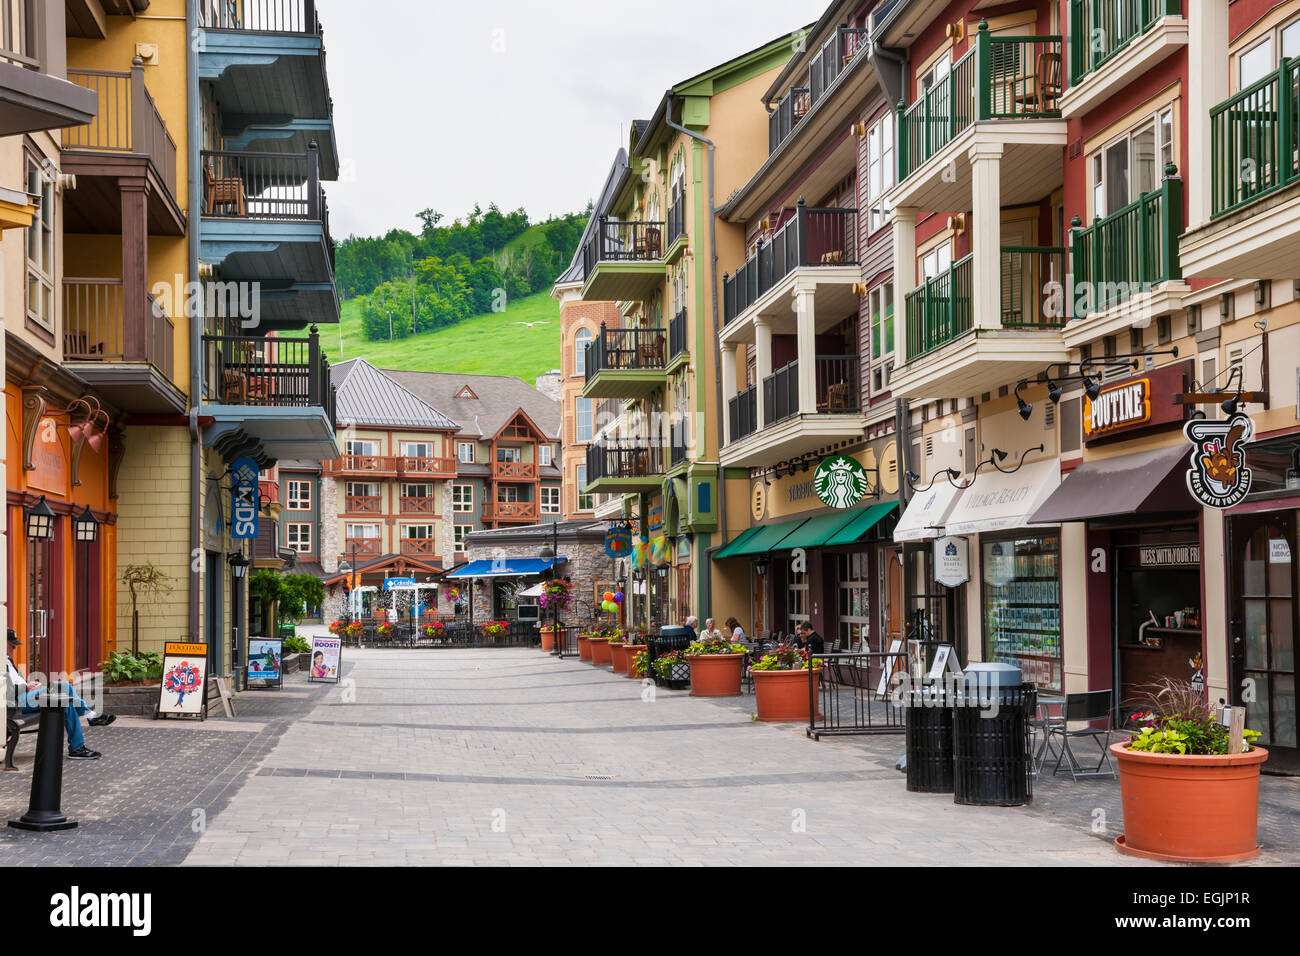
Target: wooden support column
{"x":135,"y":272}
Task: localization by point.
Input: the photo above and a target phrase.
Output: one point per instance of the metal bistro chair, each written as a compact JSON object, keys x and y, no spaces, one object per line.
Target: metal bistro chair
{"x":1087,"y":707}
{"x":1049,"y":713}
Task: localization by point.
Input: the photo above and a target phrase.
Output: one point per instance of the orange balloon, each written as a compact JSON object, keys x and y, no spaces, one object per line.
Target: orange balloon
{"x":609,"y":595}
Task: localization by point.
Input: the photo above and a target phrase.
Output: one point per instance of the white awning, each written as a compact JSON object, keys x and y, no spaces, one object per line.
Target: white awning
{"x":998,"y":502}
{"x":927,"y":512}
{"x":534,"y":591}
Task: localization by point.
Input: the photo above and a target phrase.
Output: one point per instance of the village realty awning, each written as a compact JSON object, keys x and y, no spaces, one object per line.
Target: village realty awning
{"x":926,"y":512}
{"x":502,"y":568}
{"x":1145,"y":481}
{"x":999,"y":501}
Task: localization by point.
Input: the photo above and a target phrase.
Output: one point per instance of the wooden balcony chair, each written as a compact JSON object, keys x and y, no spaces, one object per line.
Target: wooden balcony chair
{"x":1043,"y":92}
{"x":651,"y":354}
{"x":837,"y":398}
{"x":235,"y":386}
{"x":648,"y":243}
{"x":224,"y":191}
{"x":833,"y":258}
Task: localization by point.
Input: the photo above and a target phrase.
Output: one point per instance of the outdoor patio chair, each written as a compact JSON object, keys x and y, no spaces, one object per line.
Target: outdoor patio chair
{"x":223,"y":191}
{"x":1086,"y":708}
{"x":1044,"y":719}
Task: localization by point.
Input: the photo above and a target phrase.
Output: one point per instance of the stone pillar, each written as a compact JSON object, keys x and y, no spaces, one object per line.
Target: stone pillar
{"x":806,"y":328}
{"x":986,"y":235}
{"x":763,"y":354}
{"x":1207,"y":86}
{"x":904,"y":221}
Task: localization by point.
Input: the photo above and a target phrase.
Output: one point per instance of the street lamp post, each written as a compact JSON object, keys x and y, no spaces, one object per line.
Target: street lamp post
{"x":551,"y":552}
{"x":238,"y":572}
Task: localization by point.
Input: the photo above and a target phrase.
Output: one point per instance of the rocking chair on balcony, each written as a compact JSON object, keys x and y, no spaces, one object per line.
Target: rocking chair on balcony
{"x":223,"y":191}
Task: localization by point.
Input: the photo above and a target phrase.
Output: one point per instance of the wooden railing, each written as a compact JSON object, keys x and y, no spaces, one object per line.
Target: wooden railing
{"x":362,"y":547}
{"x":361,"y":464}
{"x":510,"y":510}
{"x":616,"y":241}
{"x":1132,"y":248}
{"x":423,"y":505}
{"x":127,"y":120}
{"x":263,"y":186}
{"x":267,"y":371}
{"x":420,"y":547}
{"x":18,"y":22}
{"x":1101,"y":28}
{"x":362,"y":504}
{"x":625,"y":349}
{"x":433,"y":467}
{"x":95,"y":328}
{"x":260,"y":16}
{"x":514,"y":470}
{"x":1255,"y":140}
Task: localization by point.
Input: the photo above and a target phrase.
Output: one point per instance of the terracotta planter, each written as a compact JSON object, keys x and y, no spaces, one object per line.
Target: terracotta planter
{"x":600,"y":652}
{"x":618,"y":657}
{"x":1193,"y":809}
{"x":716,"y":675}
{"x":632,"y":650}
{"x":783,"y":695}
{"x":548,"y":639}
{"x":584,"y":647}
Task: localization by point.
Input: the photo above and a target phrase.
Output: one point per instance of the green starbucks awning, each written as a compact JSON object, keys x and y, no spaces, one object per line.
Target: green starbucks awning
{"x":864,"y":519}
{"x":732,"y":548}
{"x":815,"y":531}
{"x":767,"y":537}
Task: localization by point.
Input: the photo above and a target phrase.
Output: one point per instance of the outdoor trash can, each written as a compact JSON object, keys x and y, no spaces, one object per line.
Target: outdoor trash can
{"x":928,"y":735}
{"x":990,"y":728}
{"x":671,"y":638}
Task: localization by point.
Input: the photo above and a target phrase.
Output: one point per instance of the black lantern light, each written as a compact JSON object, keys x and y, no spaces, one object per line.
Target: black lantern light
{"x":760,"y":565}
{"x":86,"y":526}
{"x":40,"y":521}
{"x":238,"y":565}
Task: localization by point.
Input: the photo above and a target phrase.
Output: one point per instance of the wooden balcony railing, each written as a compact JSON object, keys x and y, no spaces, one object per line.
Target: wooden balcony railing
{"x":431,"y":467}
{"x":263,"y":186}
{"x":625,"y":349}
{"x":362,"y":547}
{"x":18,"y":24}
{"x":363,"y":504}
{"x":422,"y":506}
{"x":260,"y":16}
{"x":1101,"y":28}
{"x":999,"y":78}
{"x":634,"y":458}
{"x":95,"y":328}
{"x":812,"y":237}
{"x":1255,"y":140}
{"x":616,"y":241}
{"x":514,"y":470}
{"x":1131,"y":249}
{"x":279,"y":371}
{"x":379,"y":465}
{"x":510,"y":510}
{"x":127,"y":121}
{"x":420,"y":547}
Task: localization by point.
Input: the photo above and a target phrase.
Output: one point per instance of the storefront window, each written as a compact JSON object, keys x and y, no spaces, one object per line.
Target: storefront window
{"x":1022,"y":606}
{"x":796,"y":599}
{"x":855,"y":602}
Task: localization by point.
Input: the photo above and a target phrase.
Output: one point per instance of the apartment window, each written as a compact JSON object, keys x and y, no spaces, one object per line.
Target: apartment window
{"x":550,"y":500}
{"x":424,"y":490}
{"x":1132,"y":165}
{"x":881,"y":304}
{"x":880,"y":168}
{"x":298,"y":536}
{"x":935,"y":72}
{"x":299,"y":495}
{"x":1260,"y":59}
{"x":420,"y":532}
{"x":417,"y":449}
{"x":508,"y":493}
{"x":363,"y":531}
{"x":585,"y":502}
{"x":509,"y":453}
{"x":543,"y":455}
{"x":462,"y":498}
{"x":458,"y":533}
{"x":581,"y":339}
{"x":40,"y":249}
{"x":582,"y":421}
{"x":465,"y":452}
{"x":362,"y":489}
{"x":362,"y":447}
{"x":937,"y":260}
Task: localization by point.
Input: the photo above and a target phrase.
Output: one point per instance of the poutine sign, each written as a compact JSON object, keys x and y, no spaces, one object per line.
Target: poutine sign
{"x":1134,"y":404}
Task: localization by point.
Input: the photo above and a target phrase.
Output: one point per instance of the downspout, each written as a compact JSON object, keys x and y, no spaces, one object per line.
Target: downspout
{"x":194,"y":116}
{"x":706,"y":589}
{"x":876,"y":52}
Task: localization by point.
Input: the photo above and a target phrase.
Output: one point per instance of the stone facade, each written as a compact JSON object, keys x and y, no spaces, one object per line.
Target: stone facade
{"x":549,"y":384}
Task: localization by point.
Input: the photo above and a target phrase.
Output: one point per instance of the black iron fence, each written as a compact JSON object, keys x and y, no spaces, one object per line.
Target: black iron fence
{"x":838,"y":387}
{"x":677,"y":440}
{"x":782,"y":120}
{"x":781,"y":394}
{"x":625,"y":349}
{"x":281,"y":371}
{"x":677,"y":334}
{"x":742,"y":410}
{"x":266,"y":186}
{"x":451,"y":634}
{"x":616,"y":241}
{"x":260,"y":16}
{"x":676,"y":218}
{"x":851,"y":695}
{"x":633,"y":458}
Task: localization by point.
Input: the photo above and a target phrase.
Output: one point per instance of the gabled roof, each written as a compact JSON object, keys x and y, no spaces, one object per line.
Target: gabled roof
{"x":575,"y":271}
{"x":368,"y":396}
{"x":499,"y":398}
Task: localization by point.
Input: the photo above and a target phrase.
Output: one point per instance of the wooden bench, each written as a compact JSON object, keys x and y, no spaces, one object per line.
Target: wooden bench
{"x":17,"y":722}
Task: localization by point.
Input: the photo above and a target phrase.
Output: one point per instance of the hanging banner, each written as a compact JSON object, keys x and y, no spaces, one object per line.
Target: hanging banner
{"x":243,"y":498}
{"x":1218,"y":476}
{"x":618,"y":541}
{"x":184,"y":676}
{"x":326,"y":655}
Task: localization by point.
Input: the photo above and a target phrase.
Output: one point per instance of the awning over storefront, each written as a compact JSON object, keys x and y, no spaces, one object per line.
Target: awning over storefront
{"x":926,"y":513}
{"x":534,"y":591}
{"x":502,"y":568}
{"x":998,"y":502}
{"x":862,"y":521}
{"x":1146,"y":481}
{"x":768,"y":537}
{"x":732,"y":548}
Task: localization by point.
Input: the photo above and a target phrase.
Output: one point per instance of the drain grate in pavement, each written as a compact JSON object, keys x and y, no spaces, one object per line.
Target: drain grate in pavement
{"x":598,"y":776}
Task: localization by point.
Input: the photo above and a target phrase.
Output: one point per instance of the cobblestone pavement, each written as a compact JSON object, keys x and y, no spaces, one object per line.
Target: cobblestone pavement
{"x":512,"y":757}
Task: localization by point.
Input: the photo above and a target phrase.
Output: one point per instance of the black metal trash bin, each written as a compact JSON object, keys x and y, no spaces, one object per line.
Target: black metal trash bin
{"x":991,"y":746}
{"x":928,"y":735}
{"x":671,"y":638}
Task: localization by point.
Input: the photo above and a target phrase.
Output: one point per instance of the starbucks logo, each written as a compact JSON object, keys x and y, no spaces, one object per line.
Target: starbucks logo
{"x":840,"y":482}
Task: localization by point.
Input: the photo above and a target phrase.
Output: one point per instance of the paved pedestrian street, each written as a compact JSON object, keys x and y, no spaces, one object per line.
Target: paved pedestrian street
{"x":510,"y":756}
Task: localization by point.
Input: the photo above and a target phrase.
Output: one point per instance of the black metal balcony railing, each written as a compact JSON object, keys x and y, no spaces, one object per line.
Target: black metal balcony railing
{"x":1101,"y":28}
{"x":624,"y":350}
{"x":275,"y":372}
{"x":633,"y":458}
{"x":616,"y":241}
{"x":781,"y":393}
{"x":18,"y":22}
{"x":1132,"y":248}
{"x":677,"y":441}
{"x":127,"y":121}
{"x":812,"y":237}
{"x":676,"y":218}
{"x":677,"y":334}
{"x":742,"y":410}
{"x":97,"y":326}
{"x":827,"y":64}
{"x":790,"y":109}
{"x":1255,"y":140}
{"x":838,"y":388}
{"x":265,"y":186}
{"x":260,"y":16}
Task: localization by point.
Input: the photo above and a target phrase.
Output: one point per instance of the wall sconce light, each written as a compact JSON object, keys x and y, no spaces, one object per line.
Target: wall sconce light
{"x":39,"y":519}
{"x":1025,"y":408}
{"x":760,"y":565}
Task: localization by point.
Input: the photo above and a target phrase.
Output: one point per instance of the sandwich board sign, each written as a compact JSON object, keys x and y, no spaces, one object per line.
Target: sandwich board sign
{"x":265,"y":660}
{"x":326,"y":654}
{"x":183,"y":692}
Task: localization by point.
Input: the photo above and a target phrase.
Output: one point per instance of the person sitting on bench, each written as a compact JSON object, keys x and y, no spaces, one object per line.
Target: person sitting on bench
{"x":27,"y":696}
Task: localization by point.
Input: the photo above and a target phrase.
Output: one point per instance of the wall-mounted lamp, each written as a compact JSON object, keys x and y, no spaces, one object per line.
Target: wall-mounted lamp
{"x":1025,"y":408}
{"x":1229,"y":405}
{"x":39,"y":520}
{"x":760,"y":565}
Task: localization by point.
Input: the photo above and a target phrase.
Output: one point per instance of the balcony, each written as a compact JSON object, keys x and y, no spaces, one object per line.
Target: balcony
{"x":1254,"y":231}
{"x":30,"y":98}
{"x":265,"y":61}
{"x":1114,"y":42}
{"x":1125,"y":267}
{"x":814,"y":239}
{"x":625,"y":363}
{"x":1002,"y":96}
{"x":677,"y":335}
{"x":420,"y":548}
{"x":270,"y":395}
{"x":624,"y":466}
{"x":427,"y":467}
{"x":788,"y":429}
{"x":955,"y":347}
{"x":623,"y":261}
{"x":677,"y":442}
{"x":418,"y":506}
{"x":362,"y":504}
{"x":265,"y":221}
{"x":676,"y":221}
{"x":361,"y":466}
{"x":362,"y":548}
{"x":127,"y":355}
{"x":514,"y":470}
{"x":522,"y":511}
{"x":790,"y":109}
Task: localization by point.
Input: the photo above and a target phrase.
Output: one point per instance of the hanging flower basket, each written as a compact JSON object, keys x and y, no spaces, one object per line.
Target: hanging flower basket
{"x":555,"y":594}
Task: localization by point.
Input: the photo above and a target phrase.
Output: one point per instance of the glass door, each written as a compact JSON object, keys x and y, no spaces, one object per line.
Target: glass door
{"x":41,"y":651}
{"x":1265,"y":630}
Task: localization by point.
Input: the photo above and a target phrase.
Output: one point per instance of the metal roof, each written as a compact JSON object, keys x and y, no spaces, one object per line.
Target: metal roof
{"x":368,"y":396}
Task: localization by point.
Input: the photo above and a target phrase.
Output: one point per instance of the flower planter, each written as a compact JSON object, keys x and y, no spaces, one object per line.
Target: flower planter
{"x":783,"y":695}
{"x":716,"y":675}
{"x":584,"y":647}
{"x":632,"y":650}
{"x":1192,"y":809}
{"x":618,"y":657}
{"x":600,"y":652}
{"x":548,"y":639}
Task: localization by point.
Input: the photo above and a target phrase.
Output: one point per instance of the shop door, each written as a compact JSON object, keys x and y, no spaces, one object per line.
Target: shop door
{"x":891,"y":596}
{"x":44,"y":655}
{"x":1264,"y":630}
{"x":86,"y":622}
{"x":212,"y":611}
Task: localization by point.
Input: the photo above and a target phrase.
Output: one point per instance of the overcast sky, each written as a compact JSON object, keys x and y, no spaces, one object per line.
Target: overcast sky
{"x":520,"y":102}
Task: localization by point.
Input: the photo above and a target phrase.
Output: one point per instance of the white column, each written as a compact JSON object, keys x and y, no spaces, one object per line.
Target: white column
{"x":1207,"y":86}
{"x":763,"y":361}
{"x":904,"y":221}
{"x":729,"y":367}
{"x":806,"y":328}
{"x":986,"y":235}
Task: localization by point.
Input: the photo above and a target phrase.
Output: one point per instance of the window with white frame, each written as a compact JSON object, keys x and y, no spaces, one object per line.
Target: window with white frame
{"x":465,"y":452}
{"x":362,"y":489}
{"x":582,"y":419}
{"x":880,"y":168}
{"x":881,"y":303}
{"x":462,"y":498}
{"x":585,"y":502}
{"x":1132,"y":165}
{"x":417,"y":490}
{"x":363,"y":531}
{"x":796,"y":598}
{"x":417,"y":449}
{"x":550,"y":499}
{"x":935,"y":72}
{"x":458,"y":533}
{"x":299,"y":495}
{"x":581,"y":339}
{"x":361,"y":446}
{"x":421,"y":532}
{"x":40,"y":249}
{"x":297,"y":536}
{"x":937,"y":260}
{"x":1265,"y":55}
{"x":543,"y":455}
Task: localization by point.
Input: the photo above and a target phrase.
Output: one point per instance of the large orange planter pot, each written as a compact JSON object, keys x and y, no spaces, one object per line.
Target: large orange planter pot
{"x":600,"y":651}
{"x":783,"y":695}
{"x":716,"y":675}
{"x":617,"y":657}
{"x":584,"y":648}
{"x":1193,"y":809}
{"x":631,"y":651}
{"x":548,"y":639}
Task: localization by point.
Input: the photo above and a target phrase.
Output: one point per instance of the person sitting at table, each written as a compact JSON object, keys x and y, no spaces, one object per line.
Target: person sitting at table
{"x":691,"y":623}
{"x":737,"y":632}
{"x":710,"y":632}
{"x":806,"y":637}
{"x":27,"y":697}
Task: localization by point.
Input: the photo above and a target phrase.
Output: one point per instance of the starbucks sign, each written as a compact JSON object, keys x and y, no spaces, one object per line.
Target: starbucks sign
{"x":840,"y":481}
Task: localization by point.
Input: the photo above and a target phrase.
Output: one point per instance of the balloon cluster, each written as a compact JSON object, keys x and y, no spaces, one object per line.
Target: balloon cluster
{"x":612,"y":599}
